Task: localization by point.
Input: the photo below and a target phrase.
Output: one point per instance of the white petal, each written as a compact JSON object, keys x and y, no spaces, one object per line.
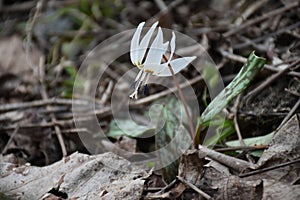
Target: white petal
{"x":134,"y":46}
{"x":165,"y":45}
{"x":172,"y":44}
{"x":155,"y":59}
{"x":145,"y":42}
{"x":156,"y":50}
{"x":152,"y":68}
{"x":177,"y":65}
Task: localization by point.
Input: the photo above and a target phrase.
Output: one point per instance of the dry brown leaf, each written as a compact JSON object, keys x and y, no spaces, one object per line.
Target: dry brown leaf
{"x":81,"y":177}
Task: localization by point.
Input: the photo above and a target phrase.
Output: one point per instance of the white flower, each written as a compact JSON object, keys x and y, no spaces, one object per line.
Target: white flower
{"x":152,"y":64}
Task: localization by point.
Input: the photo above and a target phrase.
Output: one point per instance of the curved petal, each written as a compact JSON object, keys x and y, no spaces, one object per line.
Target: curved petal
{"x":177,"y":65}
{"x":157,"y":49}
{"x":145,"y":42}
{"x":152,"y":68}
{"x":172,"y":44}
{"x":165,"y":45}
{"x":134,"y":46}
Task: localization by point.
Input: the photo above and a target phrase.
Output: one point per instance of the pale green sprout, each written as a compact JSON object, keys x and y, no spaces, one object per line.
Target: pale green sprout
{"x":151,"y":63}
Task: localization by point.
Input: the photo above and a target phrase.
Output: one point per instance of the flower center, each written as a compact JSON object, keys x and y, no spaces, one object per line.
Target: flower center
{"x":139,"y":82}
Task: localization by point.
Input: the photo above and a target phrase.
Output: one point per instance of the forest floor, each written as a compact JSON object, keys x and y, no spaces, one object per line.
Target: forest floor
{"x":68,"y":129}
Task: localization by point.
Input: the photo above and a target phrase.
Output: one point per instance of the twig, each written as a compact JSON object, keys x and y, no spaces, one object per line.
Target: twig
{"x":261,"y":18}
{"x":44,"y":102}
{"x":243,"y":60}
{"x":292,"y":92}
{"x":29,"y":29}
{"x":74,"y":130}
{"x":183,"y":102}
{"x":251,"y":9}
{"x":289,"y":115}
{"x":164,"y":11}
{"x":269,"y":80}
{"x":21,"y":7}
{"x":53,"y":118}
{"x":106,"y":93}
{"x":161,"y":4}
{"x":237,"y":128}
{"x":152,"y":189}
{"x":241,"y":148}
{"x":60,"y":138}
{"x":26,"y":6}
{"x":100,"y":110}
{"x":60,"y":123}
{"x":262,"y":38}
{"x":236,"y":164}
{"x":167,"y":187}
{"x":269,"y":168}
{"x":236,"y":125}
{"x":10,"y":139}
{"x":271,"y":114}
{"x":206,"y":196}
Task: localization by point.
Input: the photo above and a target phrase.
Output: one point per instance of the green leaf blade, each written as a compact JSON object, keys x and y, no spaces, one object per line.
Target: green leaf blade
{"x":250,"y":69}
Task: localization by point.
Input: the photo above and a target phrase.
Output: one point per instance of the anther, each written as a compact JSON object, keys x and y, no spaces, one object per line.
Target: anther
{"x":145,"y":89}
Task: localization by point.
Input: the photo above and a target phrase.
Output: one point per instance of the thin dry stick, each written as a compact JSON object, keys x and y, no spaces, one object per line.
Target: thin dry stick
{"x":167,"y":187}
{"x":46,"y":125}
{"x":270,"y":80}
{"x":250,"y":10}
{"x":40,"y":4}
{"x":234,"y":163}
{"x":162,"y":12}
{"x":53,"y":118}
{"x":269,"y":168}
{"x":10,"y":140}
{"x":241,"y":148}
{"x":288,"y":116}
{"x":107,"y":92}
{"x":237,"y":128}
{"x":264,"y":37}
{"x":26,"y":6}
{"x":206,"y":196}
{"x":292,"y":92}
{"x":183,"y":101}
{"x":261,"y":18}
{"x":244,"y":60}
{"x":30,"y":27}
{"x":44,"y":102}
{"x":74,"y":131}
{"x":236,"y":125}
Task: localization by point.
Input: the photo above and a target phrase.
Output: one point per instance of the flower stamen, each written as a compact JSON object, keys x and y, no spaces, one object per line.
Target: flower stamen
{"x":145,"y":89}
{"x":148,"y":58}
{"x":139,"y":79}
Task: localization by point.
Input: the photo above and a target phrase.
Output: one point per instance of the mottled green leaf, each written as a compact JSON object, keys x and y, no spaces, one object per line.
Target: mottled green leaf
{"x":224,"y":129}
{"x":239,"y":84}
{"x":210,"y":74}
{"x":128,"y":128}
{"x":172,"y":139}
